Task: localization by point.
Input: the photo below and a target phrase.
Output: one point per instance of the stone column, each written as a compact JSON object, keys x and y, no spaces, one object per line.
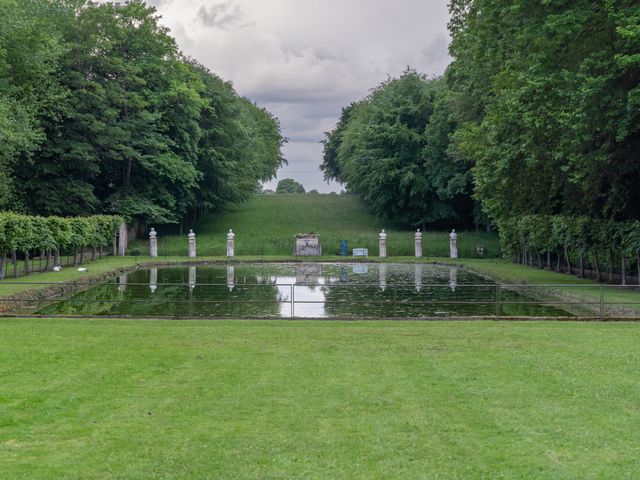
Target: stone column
{"x":192,"y":244}
{"x":153,"y":279}
{"x":418,"y":244}
{"x":453,"y":244}
{"x":153,"y":243}
{"x":122,"y":240}
{"x":230,"y":243}
{"x":383,"y":244}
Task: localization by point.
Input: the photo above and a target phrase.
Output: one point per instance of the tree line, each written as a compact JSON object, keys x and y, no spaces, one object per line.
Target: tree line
{"x":538,"y":116}
{"x":101,"y":113}
{"x":51,"y":236}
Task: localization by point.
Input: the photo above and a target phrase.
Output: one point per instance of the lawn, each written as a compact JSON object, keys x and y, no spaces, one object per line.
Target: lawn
{"x":152,"y":399}
{"x":266,"y":225}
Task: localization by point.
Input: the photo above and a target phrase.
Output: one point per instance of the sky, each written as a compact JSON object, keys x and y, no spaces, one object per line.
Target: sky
{"x":303,"y":60}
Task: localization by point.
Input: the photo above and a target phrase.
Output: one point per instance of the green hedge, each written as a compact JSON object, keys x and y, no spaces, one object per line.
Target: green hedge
{"x":25,"y":234}
{"x":575,"y":242}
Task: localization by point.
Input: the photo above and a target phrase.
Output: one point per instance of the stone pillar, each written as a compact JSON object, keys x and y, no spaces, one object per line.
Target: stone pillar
{"x":192,"y":244}
{"x":122,"y":240}
{"x":153,"y":279}
{"x":453,"y":244}
{"x":153,"y":243}
{"x":418,"y":244}
{"x":231,"y":277}
{"x":383,"y":244}
{"x":230,"y":243}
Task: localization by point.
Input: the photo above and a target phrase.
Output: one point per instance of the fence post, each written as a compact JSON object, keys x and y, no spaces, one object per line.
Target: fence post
{"x":293,"y":300}
{"x":601,"y":302}
{"x":498,"y":307}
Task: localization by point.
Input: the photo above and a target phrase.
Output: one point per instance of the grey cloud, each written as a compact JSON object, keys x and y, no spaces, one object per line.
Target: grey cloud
{"x":221,"y":15}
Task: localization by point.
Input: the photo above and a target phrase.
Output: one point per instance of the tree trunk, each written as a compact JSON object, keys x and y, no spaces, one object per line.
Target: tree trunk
{"x":26,"y":263}
{"x":42,"y":254}
{"x":115,"y":246}
{"x":610,"y":267}
{"x":81,"y":255}
{"x":539,"y":260}
{"x":56,"y":258}
{"x":549,"y":260}
{"x":623,"y":269}
{"x":558,"y":262}
{"x":566,"y":258}
{"x":581,"y":264}
{"x":75,"y":256}
{"x":101,"y":252}
{"x":14,"y":259}
{"x":597,"y":262}
{"x":3,"y":265}
{"x":47,"y":265}
{"x":93,"y":253}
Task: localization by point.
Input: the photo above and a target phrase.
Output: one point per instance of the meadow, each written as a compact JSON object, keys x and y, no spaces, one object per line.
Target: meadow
{"x":266,"y":225}
{"x":243,"y":399}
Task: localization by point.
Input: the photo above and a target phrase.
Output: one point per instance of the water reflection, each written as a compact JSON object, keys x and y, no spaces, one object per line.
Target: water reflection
{"x":453,"y":278}
{"x":153,"y":280}
{"x":192,"y":278}
{"x":231,"y":277}
{"x":418,"y":276}
{"x":302,"y":290}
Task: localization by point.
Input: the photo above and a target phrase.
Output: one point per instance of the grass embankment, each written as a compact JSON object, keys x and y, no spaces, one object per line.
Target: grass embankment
{"x":146,"y":399}
{"x":266,"y":226}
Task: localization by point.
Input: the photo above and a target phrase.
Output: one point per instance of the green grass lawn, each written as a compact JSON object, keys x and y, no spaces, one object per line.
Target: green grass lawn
{"x":150,"y":399}
{"x":266,"y":225}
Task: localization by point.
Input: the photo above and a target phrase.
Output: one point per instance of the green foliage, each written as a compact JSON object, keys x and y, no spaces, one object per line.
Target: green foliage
{"x":547,"y":100}
{"x":99,"y":112}
{"x":392,"y":148}
{"x":289,"y":185}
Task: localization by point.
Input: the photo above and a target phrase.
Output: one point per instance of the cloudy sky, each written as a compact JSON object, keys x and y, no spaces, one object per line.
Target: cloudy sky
{"x":304,"y":60}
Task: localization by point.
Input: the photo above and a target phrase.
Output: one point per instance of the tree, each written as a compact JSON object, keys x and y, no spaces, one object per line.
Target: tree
{"x":289,"y":185}
{"x":392,"y":149}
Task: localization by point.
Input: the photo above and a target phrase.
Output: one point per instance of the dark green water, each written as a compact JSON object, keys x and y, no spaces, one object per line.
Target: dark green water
{"x":310,"y":290}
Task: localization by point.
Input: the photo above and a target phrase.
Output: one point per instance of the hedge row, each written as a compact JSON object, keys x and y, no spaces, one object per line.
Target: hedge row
{"x":25,"y":234}
{"x":539,"y":239}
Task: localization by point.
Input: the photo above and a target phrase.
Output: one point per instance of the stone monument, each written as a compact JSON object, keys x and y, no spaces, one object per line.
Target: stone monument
{"x":192,"y":244}
{"x":153,"y":242}
{"x":230,"y":243}
{"x":418,"y":244}
{"x":453,"y":244}
{"x":153,"y":279}
{"x":307,"y":245}
{"x":122,"y":240}
{"x":383,"y":244}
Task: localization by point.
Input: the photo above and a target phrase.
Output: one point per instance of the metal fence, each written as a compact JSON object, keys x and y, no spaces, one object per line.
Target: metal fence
{"x":322,"y":300}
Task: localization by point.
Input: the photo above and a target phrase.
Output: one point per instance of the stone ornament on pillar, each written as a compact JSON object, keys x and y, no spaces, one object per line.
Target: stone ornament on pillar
{"x":418,"y":244}
{"x":231,"y":243}
{"x":192,"y":244}
{"x":453,"y":244}
{"x":153,"y":242}
{"x":383,"y":244}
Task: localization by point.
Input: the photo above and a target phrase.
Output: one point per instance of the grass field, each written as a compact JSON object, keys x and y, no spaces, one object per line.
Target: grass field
{"x":146,"y":399}
{"x":266,"y":225}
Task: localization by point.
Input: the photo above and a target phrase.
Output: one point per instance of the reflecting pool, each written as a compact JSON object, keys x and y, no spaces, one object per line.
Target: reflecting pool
{"x":301,"y":290}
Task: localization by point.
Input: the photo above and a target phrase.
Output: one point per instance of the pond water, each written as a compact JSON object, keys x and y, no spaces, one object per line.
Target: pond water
{"x":302,"y":290}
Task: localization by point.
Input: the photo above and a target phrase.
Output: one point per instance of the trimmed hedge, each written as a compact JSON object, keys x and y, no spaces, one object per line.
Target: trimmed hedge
{"x":26,"y":233}
{"x":573,"y":241}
